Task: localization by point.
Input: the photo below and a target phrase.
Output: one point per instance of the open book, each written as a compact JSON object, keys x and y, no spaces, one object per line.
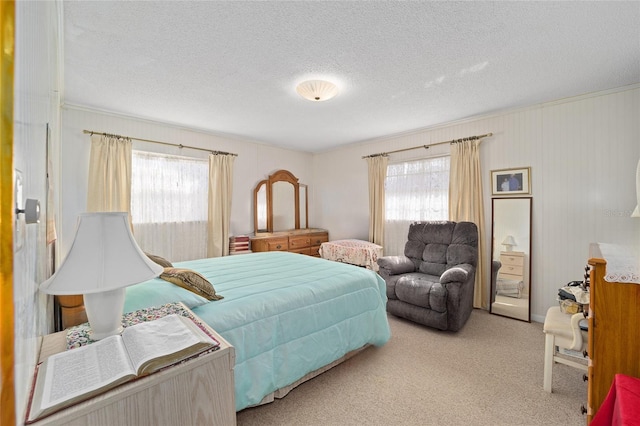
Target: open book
{"x":72,"y":376}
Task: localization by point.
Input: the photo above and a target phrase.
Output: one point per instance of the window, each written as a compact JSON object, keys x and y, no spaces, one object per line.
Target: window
{"x":415,"y":190}
{"x":169,"y":205}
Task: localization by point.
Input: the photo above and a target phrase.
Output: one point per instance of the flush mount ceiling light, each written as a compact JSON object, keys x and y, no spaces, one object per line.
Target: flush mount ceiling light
{"x":317,"y":90}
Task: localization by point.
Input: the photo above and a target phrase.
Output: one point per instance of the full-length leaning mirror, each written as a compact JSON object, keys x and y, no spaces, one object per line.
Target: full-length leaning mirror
{"x":280,"y":203}
{"x":511,"y":257}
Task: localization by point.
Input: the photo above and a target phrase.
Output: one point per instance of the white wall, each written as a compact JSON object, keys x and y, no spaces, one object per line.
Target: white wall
{"x":582,"y":152}
{"x":254,"y":162}
{"x":35,"y":105}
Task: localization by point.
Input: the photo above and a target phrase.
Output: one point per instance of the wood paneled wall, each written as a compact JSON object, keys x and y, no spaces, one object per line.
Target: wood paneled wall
{"x":36,"y":103}
{"x":255,"y":162}
{"x":582,"y":152}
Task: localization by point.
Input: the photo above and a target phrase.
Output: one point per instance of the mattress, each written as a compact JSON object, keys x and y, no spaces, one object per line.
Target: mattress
{"x":286,"y":314}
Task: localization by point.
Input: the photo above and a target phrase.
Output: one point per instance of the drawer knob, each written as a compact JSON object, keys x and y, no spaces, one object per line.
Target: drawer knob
{"x":279,"y":246}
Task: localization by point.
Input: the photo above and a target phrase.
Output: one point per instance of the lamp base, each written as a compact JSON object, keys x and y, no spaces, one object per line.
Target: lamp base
{"x":104,"y":311}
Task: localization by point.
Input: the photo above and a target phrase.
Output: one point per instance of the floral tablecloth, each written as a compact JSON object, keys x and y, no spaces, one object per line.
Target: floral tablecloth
{"x":355,"y":252}
{"x":79,"y":335}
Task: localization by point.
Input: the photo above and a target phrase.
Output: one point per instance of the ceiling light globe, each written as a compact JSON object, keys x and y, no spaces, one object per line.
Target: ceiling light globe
{"x":317,"y":90}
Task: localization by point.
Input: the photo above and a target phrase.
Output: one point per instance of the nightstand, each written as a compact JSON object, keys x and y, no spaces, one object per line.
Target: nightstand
{"x":197,"y":391}
{"x":512,"y":265}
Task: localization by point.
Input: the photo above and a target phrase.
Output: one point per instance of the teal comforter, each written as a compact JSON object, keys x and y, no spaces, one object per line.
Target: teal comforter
{"x":286,"y":314}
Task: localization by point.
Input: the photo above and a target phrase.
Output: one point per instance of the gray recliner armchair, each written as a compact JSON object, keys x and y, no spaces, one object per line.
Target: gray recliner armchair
{"x":432,"y":284}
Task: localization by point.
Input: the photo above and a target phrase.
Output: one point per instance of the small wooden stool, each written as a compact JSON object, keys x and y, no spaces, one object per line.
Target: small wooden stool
{"x":561,"y":331}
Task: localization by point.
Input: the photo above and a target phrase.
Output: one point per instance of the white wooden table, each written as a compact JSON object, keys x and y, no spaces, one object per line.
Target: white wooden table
{"x":199,"y":391}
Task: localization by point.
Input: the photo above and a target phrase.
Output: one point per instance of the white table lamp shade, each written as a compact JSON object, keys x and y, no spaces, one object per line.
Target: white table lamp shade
{"x":104,"y":256}
{"x":509,"y":242}
{"x":103,"y":260}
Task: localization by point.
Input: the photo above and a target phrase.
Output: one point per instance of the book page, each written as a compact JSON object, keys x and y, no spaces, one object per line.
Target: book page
{"x":81,"y":370}
{"x":158,"y":338}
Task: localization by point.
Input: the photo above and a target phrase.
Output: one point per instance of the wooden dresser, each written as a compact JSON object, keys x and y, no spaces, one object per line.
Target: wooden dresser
{"x":303,"y":241}
{"x":512,"y":265}
{"x":614,"y":333}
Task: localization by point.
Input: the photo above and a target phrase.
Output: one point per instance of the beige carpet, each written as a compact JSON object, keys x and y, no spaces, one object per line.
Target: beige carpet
{"x":511,"y":307}
{"x":489,"y":373}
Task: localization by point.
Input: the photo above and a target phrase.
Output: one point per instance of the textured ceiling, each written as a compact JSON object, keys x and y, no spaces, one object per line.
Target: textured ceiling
{"x":232,"y":67}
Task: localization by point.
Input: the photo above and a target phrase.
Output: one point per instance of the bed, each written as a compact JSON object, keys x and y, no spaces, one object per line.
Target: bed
{"x":289,"y":316}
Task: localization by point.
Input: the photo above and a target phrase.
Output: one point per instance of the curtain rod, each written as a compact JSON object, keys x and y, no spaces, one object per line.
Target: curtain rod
{"x":214,"y":152}
{"x":470,"y":138}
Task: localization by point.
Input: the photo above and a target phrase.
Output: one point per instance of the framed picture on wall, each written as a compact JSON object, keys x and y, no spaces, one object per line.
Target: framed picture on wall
{"x":511,"y":181}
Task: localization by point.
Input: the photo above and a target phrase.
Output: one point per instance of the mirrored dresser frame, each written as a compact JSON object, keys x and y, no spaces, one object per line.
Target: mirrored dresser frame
{"x":280,"y":203}
{"x":511,"y":283}
{"x":281,"y":217}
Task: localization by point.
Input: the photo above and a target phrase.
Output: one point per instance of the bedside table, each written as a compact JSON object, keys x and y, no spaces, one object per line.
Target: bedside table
{"x":197,"y":391}
{"x":512,"y":265}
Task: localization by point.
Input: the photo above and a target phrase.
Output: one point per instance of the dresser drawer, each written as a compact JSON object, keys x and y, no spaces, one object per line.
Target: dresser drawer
{"x":278,"y":244}
{"x":512,"y":260}
{"x":511,"y":270}
{"x":317,"y":239}
{"x":299,"y":242}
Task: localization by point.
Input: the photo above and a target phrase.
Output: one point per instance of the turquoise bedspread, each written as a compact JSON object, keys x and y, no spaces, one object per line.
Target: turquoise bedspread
{"x":286,"y":314}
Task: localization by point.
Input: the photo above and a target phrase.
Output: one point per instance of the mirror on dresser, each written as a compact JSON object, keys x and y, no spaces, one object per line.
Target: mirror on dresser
{"x":511,"y":257}
{"x":281,"y":215}
{"x":280,"y":203}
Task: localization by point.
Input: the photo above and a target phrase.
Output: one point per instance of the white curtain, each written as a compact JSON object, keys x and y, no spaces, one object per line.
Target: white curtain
{"x":377,"y":167}
{"x":109,"y":174}
{"x":465,"y":204}
{"x":415,"y":191}
{"x":220,"y":192}
{"x":169,"y":205}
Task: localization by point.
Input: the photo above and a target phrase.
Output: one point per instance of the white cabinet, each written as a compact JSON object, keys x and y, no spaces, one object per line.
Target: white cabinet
{"x":197,"y":391}
{"x":512,"y":265}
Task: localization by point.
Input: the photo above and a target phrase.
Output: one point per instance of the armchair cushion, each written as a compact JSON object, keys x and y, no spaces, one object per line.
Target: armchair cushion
{"x":458,"y":273}
{"x":395,"y":265}
{"x":434,"y":259}
{"x":422,"y":292}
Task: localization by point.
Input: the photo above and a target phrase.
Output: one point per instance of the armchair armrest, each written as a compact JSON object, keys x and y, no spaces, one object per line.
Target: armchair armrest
{"x":458,"y":273}
{"x":395,"y":265}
